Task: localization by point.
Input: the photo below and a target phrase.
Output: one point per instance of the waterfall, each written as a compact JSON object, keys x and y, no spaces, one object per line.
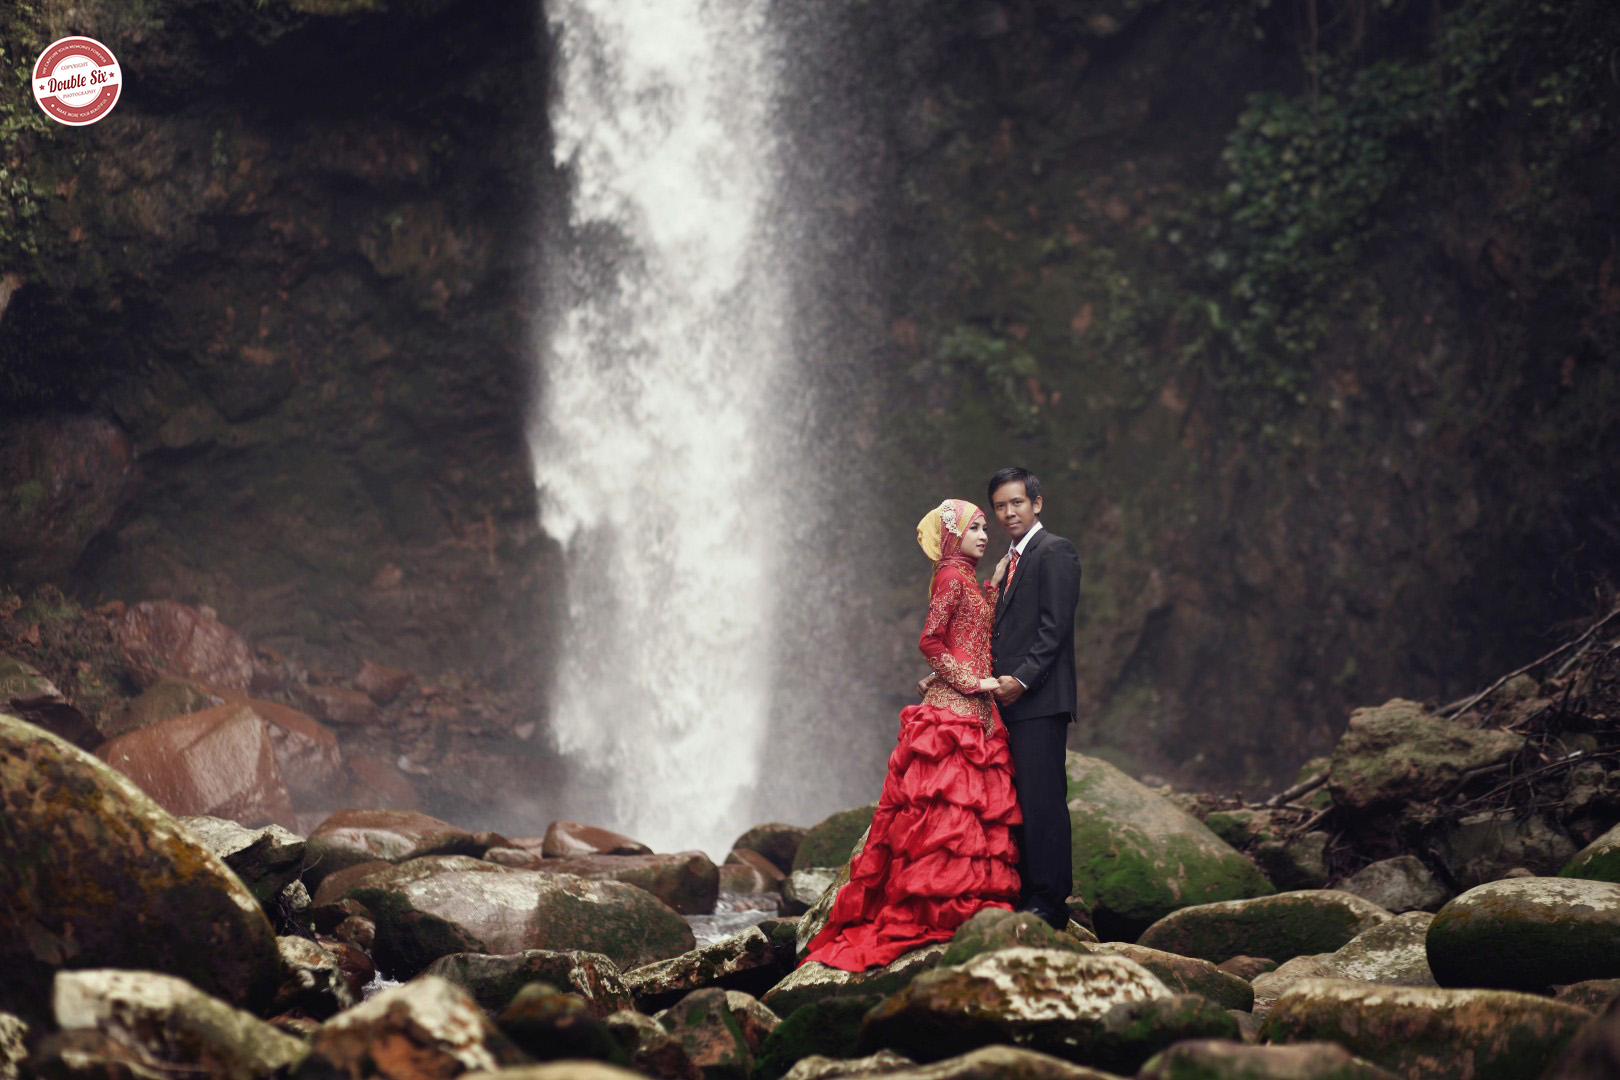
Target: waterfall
{"x":663,"y":349}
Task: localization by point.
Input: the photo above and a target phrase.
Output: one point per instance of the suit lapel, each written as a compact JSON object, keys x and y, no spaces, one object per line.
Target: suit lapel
{"x":1023,"y":569}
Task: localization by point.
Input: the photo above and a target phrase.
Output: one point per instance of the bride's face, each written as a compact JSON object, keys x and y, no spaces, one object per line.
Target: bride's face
{"x":976,"y":538}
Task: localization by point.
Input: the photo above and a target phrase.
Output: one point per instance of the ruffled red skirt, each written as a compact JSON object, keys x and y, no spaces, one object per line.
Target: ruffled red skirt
{"x":940,"y":849}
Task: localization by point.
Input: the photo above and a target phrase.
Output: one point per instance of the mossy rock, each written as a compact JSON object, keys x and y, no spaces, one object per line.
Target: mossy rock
{"x":997,"y":928}
{"x":831,"y":842}
{"x":1483,"y":847}
{"x":1219,"y":1059}
{"x":1399,"y":752}
{"x":89,"y":857}
{"x":813,"y":982}
{"x":1279,"y":927}
{"x":710,"y":1034}
{"x":1133,"y":1031}
{"x":493,"y":981}
{"x":1597,"y":861}
{"x":549,"y":1025}
{"x":1138,"y":856}
{"x":1528,"y":934}
{"x":1188,"y":975}
{"x":830,"y":1027}
{"x":1428,"y":1032}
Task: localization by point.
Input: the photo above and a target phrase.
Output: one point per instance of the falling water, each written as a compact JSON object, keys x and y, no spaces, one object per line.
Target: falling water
{"x":663,"y":340}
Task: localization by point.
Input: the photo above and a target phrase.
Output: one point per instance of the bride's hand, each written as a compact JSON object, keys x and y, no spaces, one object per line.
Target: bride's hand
{"x":1001,"y":569}
{"x":986,"y":685}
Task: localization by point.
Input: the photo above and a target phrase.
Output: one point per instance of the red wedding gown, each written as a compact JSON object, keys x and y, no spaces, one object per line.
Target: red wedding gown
{"x":940,"y":848}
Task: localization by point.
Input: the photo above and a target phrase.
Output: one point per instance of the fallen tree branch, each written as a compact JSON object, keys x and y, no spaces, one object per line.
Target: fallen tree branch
{"x":1464,"y":704}
{"x":1301,"y":788}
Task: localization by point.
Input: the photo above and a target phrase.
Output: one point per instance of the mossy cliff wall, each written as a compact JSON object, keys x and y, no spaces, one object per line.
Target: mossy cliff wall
{"x":292,"y":267}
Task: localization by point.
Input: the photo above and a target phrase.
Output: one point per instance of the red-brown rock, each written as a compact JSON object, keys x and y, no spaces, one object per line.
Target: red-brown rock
{"x":311,"y":762}
{"x":777,"y":842}
{"x":349,"y":837}
{"x":687,"y":881}
{"x":376,"y":782}
{"x":163,"y":637}
{"x":218,"y":762}
{"x":568,"y":838}
{"x":340,"y":705}
{"x":380,"y":683}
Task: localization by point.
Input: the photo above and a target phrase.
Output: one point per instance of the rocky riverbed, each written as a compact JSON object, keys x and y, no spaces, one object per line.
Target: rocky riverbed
{"x":205,"y":875}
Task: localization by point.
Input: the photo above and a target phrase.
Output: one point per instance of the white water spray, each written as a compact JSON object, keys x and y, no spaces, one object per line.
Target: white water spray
{"x":664,"y":336}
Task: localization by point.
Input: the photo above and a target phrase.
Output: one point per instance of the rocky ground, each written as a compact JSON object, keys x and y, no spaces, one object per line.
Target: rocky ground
{"x":218,"y":864}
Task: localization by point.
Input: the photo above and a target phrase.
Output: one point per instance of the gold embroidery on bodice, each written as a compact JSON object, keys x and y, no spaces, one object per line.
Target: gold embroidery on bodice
{"x":960,"y":616}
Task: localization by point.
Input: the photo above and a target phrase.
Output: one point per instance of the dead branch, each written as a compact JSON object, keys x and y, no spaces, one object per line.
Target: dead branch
{"x":1301,"y":788}
{"x":1467,"y":703}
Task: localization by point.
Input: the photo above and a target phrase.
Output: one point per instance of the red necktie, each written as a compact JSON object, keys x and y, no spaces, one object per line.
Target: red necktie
{"x":1012,"y":567}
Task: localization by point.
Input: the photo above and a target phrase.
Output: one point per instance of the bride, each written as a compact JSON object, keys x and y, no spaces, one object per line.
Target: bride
{"x":940,"y":848}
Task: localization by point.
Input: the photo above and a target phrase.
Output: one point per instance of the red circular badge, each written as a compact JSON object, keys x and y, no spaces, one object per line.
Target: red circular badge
{"x":77,"y":81}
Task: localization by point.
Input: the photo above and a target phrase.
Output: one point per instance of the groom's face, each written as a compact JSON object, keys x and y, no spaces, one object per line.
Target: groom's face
{"x":1014,"y":509}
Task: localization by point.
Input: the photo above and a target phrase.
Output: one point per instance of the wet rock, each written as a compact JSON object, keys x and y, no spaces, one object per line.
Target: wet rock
{"x":1187,"y":975}
{"x":1528,"y":934}
{"x":28,"y":695}
{"x":1484,"y":847}
{"x":1001,"y":1063}
{"x":1398,"y":885}
{"x":687,"y":881}
{"x":1133,"y":1031}
{"x":517,"y":858}
{"x":378,"y":782}
{"x":427,"y":1027}
{"x":550,"y":1025}
{"x":267,"y":860}
{"x":335,"y":886}
{"x":777,"y":843}
{"x":820,"y":1067}
{"x":811,"y":893}
{"x":1138,"y":856}
{"x":307,"y":750}
{"x":565,"y":839}
{"x":829,"y":1027}
{"x":351,"y":837}
{"x":1281,"y":926}
{"x":339,"y":706}
{"x":1594,"y":1053}
{"x":1398,"y":752}
{"x":64,"y":479}
{"x":745,"y":962}
{"x":710,"y":1035}
{"x":88,"y":856}
{"x":353,"y":961}
{"x":740,"y":879}
{"x":217,"y":762}
{"x":1597,"y":861}
{"x":167,"y":1023}
{"x":783,"y":933}
{"x":166,"y":698}
{"x":817,"y":982}
{"x":753,"y":1018}
{"x":651,"y":1050}
{"x":1593,"y":994}
{"x":442,"y":904}
{"x":1299,"y":862}
{"x":163,"y":637}
{"x":381,"y":683}
{"x":832,"y":841}
{"x":312,"y":980}
{"x":1427,"y":1032}
{"x":1043,"y":999}
{"x":1393,"y":953}
{"x":1274,"y":984}
{"x":1212,"y":1059}
{"x":494,"y":980}
{"x":996,"y":928}
{"x":766,"y":872}
{"x":1247,"y":967}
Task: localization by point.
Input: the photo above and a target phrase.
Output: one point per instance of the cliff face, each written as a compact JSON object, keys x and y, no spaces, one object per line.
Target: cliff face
{"x":1311,"y":329}
{"x":289,"y":277}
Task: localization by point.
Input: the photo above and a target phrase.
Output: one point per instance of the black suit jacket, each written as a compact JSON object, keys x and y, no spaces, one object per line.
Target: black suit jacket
{"x":1033,"y":640}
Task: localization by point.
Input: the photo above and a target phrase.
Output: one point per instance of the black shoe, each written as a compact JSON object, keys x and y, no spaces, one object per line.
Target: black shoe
{"x":1055,"y":921}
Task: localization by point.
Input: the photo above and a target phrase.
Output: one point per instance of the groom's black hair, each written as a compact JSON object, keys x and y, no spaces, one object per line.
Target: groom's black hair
{"x":1013,"y":474}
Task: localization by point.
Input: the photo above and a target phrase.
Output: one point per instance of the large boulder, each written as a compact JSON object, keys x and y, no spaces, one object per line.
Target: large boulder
{"x":813,"y":981}
{"x":171,"y":1025}
{"x":164,"y":637}
{"x":709,"y":1033}
{"x":811,"y":893}
{"x":267,"y":860}
{"x":163,"y":700}
{"x":749,"y":872}
{"x":426,"y":1027}
{"x":1048,"y":1000}
{"x":998,"y":928}
{"x":1400,"y":884}
{"x":1598,"y":861}
{"x":832,"y":841}
{"x":566,"y":839}
{"x":1429,"y":1033}
{"x":89,"y":856}
{"x":829,"y":1028}
{"x":442,"y":904}
{"x":351,"y":837}
{"x":311,"y":761}
{"x":1280,"y":927}
{"x":989,"y":1063}
{"x":1398,"y":752}
{"x":745,"y":962}
{"x":1594,"y":1054}
{"x":1528,"y":934}
{"x":1138,"y":856}
{"x":777,"y":842}
{"x":1218,"y":1059}
{"x":1391,"y":953}
{"x":1187,"y":974}
{"x":493,"y":980}
{"x":1485,"y":846}
{"x":687,"y":881}
{"x":219,"y":762}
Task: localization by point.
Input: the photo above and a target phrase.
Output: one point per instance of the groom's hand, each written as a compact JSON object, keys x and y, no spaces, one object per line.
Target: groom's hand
{"x":924,"y":683}
{"x":1008,"y":690}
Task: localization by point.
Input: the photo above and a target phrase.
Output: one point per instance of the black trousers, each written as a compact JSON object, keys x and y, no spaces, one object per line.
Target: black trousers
{"x":1037,"y":744}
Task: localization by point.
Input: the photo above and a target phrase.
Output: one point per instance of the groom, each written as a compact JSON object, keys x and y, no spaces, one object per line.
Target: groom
{"x":1032,"y":648}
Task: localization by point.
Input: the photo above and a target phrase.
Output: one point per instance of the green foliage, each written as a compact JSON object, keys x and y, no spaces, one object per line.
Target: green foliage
{"x":23,"y":128}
